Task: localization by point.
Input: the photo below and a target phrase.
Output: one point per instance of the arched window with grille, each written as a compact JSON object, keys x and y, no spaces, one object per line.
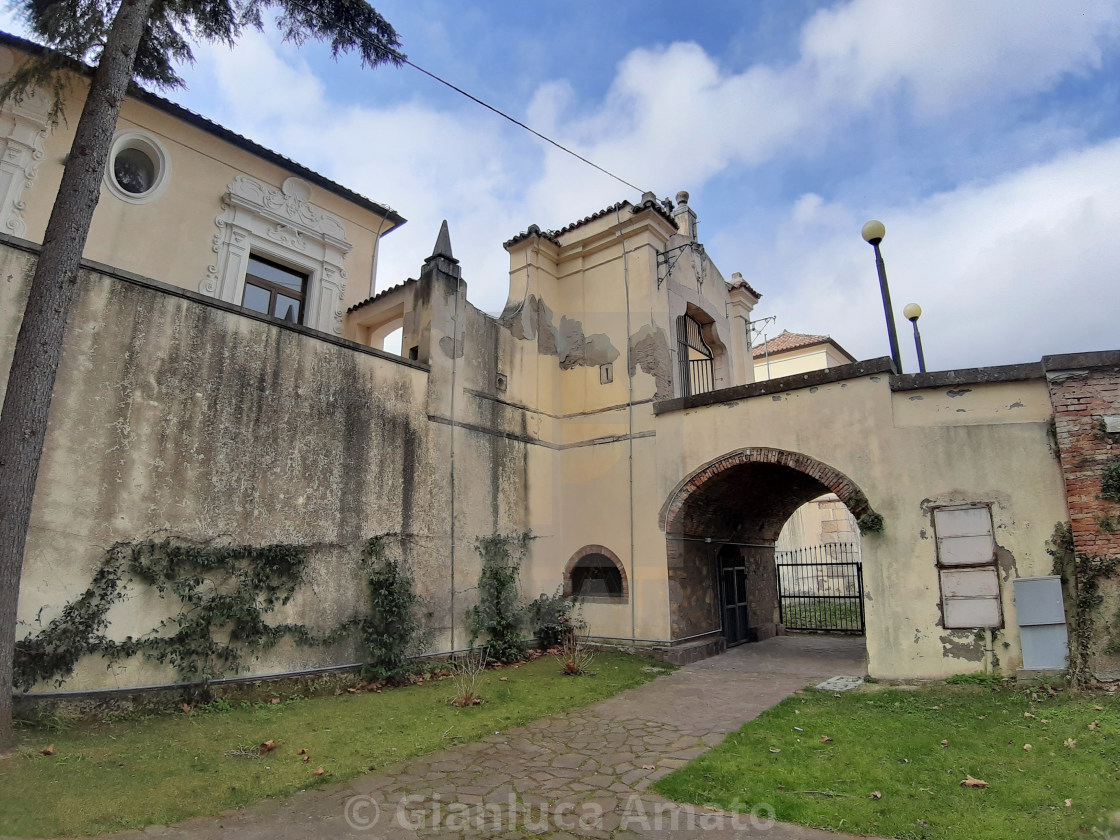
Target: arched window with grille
{"x":696,"y":358}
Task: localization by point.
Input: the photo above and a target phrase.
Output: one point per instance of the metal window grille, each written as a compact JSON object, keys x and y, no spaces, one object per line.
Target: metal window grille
{"x":697,"y":368}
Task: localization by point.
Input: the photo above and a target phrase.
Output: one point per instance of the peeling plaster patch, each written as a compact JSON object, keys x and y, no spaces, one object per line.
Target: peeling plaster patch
{"x":814,"y":389}
{"x":649,"y":350}
{"x":923,"y":534}
{"x":1005,"y":560}
{"x":960,"y":645}
{"x":961,"y":411}
{"x":1016,"y":404}
{"x":776,"y":398}
{"x":959,"y":392}
{"x":918,"y":636}
{"x":534,"y":320}
{"x":916,"y":397}
{"x":876,"y":379}
{"x":445,"y":346}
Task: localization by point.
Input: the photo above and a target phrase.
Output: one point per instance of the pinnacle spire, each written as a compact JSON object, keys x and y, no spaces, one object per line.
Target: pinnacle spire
{"x":443,"y":243}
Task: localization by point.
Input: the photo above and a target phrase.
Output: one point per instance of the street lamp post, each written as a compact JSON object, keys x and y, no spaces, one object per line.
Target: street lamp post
{"x":912,"y":313}
{"x":873,"y":233}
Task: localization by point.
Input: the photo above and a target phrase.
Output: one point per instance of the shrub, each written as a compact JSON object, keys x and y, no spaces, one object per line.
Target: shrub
{"x":498,"y":615}
{"x":553,"y":618}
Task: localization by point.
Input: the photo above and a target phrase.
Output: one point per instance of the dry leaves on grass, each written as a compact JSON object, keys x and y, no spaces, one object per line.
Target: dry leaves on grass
{"x":1094,"y":725}
{"x":944,"y":743}
{"x":267,"y":747}
{"x":1071,"y":743}
{"x":318,"y":771}
{"x":825,"y":739}
{"x":1027,"y":747}
{"x":48,"y":750}
{"x":875,"y":795}
{"x":974,"y":783}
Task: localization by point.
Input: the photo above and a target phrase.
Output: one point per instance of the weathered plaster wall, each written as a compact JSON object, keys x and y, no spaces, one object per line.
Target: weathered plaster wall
{"x":175,"y":415}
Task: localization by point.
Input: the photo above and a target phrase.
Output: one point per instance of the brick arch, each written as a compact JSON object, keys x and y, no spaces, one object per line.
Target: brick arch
{"x":596,"y":549}
{"x":669,"y":517}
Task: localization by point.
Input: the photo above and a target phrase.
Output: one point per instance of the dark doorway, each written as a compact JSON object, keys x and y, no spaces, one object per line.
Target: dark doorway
{"x":733,"y":596}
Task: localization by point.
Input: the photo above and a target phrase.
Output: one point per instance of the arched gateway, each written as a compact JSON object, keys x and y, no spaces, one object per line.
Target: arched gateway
{"x":720,"y":525}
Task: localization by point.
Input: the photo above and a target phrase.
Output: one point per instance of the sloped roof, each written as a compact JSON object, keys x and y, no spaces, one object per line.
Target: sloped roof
{"x":380,"y":295}
{"x":788,"y":341}
{"x":553,"y":236}
{"x":743,"y":284}
{"x":223,"y":133}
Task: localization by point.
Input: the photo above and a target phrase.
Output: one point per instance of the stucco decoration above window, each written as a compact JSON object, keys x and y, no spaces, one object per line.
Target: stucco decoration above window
{"x":138,"y":168}
{"x":284,"y":226}
{"x":23,"y":128}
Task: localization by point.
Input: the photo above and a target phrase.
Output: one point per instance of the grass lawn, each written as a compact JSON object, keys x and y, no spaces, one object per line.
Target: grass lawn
{"x":163,"y":769}
{"x":890,"y":742}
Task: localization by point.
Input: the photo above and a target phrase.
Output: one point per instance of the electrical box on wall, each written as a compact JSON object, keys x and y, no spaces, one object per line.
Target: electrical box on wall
{"x":1042,"y":623}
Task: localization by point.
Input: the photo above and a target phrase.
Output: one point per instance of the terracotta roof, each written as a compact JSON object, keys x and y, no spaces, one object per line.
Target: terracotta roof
{"x":553,"y":236}
{"x":743,"y":284}
{"x":380,"y":295}
{"x":211,"y":127}
{"x":788,"y":341}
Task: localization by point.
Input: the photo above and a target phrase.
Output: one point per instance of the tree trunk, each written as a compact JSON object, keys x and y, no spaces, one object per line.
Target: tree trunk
{"x":23,"y":423}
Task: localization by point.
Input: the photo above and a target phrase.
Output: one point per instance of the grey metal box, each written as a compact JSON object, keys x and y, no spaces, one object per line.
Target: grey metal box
{"x":1045,"y":647}
{"x":1038,"y":600}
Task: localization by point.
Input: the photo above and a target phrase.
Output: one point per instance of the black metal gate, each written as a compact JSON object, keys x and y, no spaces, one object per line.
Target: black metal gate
{"x":819,"y":593}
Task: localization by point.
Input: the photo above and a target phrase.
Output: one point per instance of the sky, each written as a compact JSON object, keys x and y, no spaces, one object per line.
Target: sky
{"x":985,"y":136}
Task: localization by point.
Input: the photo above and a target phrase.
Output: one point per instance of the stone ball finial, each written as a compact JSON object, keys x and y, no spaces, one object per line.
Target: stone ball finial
{"x":682,"y":197}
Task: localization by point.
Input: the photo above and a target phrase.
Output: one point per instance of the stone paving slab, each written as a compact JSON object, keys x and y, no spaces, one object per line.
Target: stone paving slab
{"x":582,"y":774}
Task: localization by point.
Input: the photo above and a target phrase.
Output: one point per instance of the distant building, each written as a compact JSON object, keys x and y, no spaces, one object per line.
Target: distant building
{"x":791,"y":353}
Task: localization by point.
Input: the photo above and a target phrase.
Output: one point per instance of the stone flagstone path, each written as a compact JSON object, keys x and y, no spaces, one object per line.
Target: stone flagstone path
{"x":584,"y":773}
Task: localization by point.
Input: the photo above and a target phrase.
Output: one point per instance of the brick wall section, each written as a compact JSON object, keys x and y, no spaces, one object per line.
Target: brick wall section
{"x":1084,"y":389}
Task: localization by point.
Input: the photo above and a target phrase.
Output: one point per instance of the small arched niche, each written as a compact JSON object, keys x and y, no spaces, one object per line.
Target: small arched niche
{"x":596,"y":574}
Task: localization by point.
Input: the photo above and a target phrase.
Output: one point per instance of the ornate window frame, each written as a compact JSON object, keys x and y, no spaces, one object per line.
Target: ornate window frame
{"x":23,"y":128}
{"x":281,"y":225}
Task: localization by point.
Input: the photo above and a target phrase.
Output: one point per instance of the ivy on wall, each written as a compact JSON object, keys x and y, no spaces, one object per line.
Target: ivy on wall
{"x":224,"y":594}
{"x":1081,"y":585}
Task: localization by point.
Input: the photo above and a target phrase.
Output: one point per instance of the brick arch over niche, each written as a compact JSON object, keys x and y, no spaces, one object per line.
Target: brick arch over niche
{"x":671,"y":519}
{"x":587,"y":551}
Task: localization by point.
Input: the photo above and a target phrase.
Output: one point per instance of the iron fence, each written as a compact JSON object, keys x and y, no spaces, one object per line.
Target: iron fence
{"x":816,"y":591}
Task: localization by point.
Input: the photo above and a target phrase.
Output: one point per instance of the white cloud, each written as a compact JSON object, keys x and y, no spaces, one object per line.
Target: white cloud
{"x":952,"y":52}
{"x":263,"y":84}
